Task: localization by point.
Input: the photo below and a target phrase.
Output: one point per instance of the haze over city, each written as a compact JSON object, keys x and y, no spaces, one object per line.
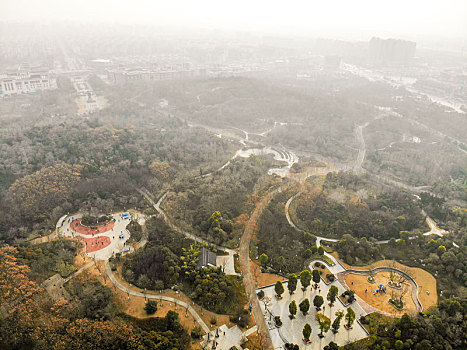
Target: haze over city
{"x":258,"y":175}
{"x":358,"y":19}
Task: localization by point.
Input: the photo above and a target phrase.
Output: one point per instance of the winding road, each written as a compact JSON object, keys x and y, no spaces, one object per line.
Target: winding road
{"x":157,"y":297}
{"x":244,"y":260}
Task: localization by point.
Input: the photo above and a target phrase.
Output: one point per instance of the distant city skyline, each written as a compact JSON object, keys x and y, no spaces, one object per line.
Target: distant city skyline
{"x":356,"y":20}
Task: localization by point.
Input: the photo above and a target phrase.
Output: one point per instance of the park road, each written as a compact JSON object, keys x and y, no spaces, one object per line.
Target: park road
{"x":245,"y":268}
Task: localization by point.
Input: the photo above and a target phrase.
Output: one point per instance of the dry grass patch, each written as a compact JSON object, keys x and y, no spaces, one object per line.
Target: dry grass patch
{"x":263,"y":279}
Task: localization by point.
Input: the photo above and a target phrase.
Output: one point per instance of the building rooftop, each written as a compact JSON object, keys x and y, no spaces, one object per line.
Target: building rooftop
{"x":206,"y":258}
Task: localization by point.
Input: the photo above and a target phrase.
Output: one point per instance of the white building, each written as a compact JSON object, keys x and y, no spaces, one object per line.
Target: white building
{"x":25,"y":83}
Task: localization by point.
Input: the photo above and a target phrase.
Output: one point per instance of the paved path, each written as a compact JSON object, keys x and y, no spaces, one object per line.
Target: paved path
{"x":291,"y":330}
{"x":85,"y":267}
{"x":158,"y":297}
{"x":44,"y":239}
{"x":434,"y":229}
{"x":226,"y":337}
{"x":337,"y":267}
{"x":358,"y":169}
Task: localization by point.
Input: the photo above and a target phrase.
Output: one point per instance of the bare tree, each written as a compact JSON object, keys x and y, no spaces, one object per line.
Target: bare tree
{"x":402,"y":292}
{"x":402,"y":277}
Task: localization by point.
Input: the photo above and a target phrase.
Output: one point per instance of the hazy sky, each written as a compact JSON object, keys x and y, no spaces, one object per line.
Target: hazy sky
{"x":356,"y":18}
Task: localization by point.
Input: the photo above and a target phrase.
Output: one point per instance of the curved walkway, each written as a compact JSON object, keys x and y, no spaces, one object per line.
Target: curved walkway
{"x":158,"y":297}
{"x":227,"y":262}
{"x":189,"y":235}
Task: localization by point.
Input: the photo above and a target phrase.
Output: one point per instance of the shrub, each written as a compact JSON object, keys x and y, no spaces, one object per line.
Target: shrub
{"x":260,"y":294}
{"x":241,"y":317}
{"x":349,"y":295}
{"x":196,"y":333}
{"x":150,"y":307}
{"x":290,"y":346}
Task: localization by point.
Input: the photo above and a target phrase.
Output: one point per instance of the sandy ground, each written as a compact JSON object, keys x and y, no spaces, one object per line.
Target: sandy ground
{"x":263,"y":279}
{"x":380,"y":301}
{"x":425,"y":280}
{"x":254,"y":342}
{"x":134,"y":306}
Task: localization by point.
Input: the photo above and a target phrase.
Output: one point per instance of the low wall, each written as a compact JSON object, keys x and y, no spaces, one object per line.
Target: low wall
{"x":393,"y":269}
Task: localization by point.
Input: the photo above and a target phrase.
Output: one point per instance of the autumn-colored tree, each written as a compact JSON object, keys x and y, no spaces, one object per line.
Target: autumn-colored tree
{"x":25,"y":323}
{"x":15,"y":285}
{"x":43,"y":190}
{"x":324,"y":323}
{"x":161,"y":170}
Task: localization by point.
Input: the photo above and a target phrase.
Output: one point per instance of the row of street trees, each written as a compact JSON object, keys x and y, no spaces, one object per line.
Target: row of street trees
{"x":324,"y":323}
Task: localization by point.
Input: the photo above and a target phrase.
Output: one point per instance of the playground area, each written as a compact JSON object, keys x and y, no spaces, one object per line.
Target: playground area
{"x":377,"y":294}
{"x":100,"y":241}
{"x":427,"y":292}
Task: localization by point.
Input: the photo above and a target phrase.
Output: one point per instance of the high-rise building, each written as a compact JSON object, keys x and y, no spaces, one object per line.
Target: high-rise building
{"x":391,"y":52}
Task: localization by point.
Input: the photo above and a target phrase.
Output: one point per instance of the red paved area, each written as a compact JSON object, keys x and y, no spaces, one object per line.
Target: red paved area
{"x":76,"y":225}
{"x":96,"y":243}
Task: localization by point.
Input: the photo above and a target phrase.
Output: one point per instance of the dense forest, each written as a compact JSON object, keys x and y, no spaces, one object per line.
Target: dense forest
{"x":228,"y":192}
{"x":169,"y":260}
{"x":441,"y":327}
{"x":286,"y":248}
{"x":55,"y":165}
{"x":30,"y":319}
{"x":347,"y":205}
{"x":53,"y":162}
